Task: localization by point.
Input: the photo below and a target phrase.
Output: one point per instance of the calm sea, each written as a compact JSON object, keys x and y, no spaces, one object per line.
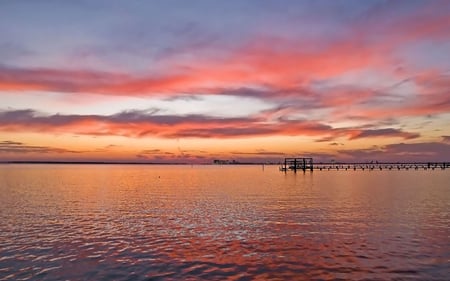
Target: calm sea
{"x":128,"y":222}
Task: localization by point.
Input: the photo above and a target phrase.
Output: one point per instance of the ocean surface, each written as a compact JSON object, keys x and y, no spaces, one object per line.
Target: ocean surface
{"x":145,"y":222}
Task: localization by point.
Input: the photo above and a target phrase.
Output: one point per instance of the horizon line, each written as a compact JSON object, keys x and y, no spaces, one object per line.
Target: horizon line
{"x":211,"y":163}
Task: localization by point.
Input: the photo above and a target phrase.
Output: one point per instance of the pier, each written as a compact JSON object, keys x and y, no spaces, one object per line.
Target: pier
{"x":295,"y":164}
{"x":306,"y":164}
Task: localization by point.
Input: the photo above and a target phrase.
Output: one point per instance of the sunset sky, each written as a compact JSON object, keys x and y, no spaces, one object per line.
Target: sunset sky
{"x":192,"y":81}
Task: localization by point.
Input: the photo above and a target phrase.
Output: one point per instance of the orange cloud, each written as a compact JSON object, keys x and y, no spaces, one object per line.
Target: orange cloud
{"x":274,"y":62}
{"x":432,"y":98}
{"x":138,"y":124}
{"x":256,"y":63}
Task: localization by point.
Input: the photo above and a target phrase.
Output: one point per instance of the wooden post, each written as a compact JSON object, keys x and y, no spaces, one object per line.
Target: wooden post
{"x":295,"y":164}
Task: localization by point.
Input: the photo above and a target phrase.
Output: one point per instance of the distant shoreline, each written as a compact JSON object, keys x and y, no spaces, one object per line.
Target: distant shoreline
{"x":93,"y":163}
{"x":213,"y":164}
{"x":125,"y":163}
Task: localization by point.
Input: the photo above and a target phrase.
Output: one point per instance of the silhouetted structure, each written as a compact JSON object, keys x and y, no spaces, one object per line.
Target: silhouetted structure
{"x":301,"y":163}
{"x":383,"y":166}
{"x":298,"y":163}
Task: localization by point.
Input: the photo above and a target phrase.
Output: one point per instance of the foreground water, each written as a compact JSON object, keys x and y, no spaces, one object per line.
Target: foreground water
{"x":125,"y":222}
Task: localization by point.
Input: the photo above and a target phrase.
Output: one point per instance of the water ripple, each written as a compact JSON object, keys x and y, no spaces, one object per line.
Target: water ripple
{"x":209,"y":223}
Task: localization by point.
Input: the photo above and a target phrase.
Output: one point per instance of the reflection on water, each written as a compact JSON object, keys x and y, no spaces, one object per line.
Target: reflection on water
{"x":111,"y":222}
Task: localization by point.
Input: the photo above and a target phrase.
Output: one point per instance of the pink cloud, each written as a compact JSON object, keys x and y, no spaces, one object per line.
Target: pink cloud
{"x":424,"y":151}
{"x":141,"y":124}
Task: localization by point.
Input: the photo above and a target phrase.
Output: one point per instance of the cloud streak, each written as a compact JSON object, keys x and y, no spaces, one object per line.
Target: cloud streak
{"x":289,"y":62}
{"x":425,"y":151}
{"x":21,"y":148}
{"x":383,"y":133}
{"x":144,"y":123}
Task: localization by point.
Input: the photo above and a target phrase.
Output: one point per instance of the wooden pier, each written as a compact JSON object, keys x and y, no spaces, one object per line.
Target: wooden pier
{"x":383,"y":166}
{"x":305,"y":164}
{"x":295,"y":164}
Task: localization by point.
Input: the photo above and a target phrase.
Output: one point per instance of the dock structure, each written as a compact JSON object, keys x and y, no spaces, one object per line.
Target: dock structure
{"x":304,"y":164}
{"x":383,"y":166}
{"x":297,"y":163}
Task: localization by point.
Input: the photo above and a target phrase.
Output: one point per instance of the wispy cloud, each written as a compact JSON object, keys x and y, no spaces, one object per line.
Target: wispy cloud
{"x":22,"y":148}
{"x":384,"y":133}
{"x":259,"y":152}
{"x":141,"y":123}
{"x":425,"y":151}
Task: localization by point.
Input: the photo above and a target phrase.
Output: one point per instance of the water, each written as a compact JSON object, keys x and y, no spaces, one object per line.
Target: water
{"x":125,"y":222}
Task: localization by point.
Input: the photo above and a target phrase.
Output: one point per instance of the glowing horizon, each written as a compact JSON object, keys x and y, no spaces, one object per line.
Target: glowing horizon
{"x":171,"y":81}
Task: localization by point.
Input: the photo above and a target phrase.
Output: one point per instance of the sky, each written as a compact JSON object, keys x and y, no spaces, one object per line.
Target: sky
{"x":191,"y":81}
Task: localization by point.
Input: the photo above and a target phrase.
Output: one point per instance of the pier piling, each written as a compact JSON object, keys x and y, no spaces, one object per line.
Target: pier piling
{"x":306,"y":163}
{"x":298,"y":163}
